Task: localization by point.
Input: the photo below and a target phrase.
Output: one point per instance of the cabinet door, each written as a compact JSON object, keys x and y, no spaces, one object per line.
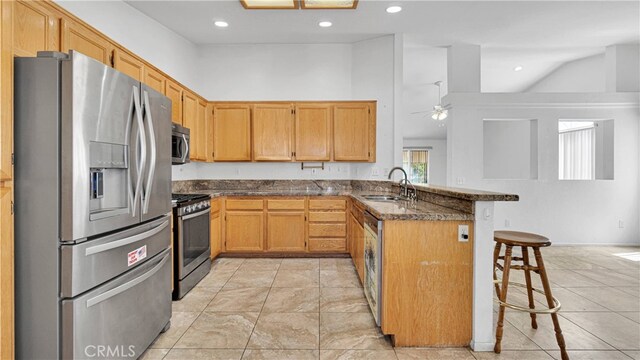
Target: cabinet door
{"x":128,"y":64}
{"x":244,"y":231}
{"x":216,"y":234}
{"x":286,"y":231}
{"x":6,"y":275}
{"x":313,"y":132}
{"x":359,"y":249}
{"x":272,"y":132}
{"x":231,"y":133}
{"x":155,"y":79}
{"x":35,"y":28}
{"x":82,"y":39}
{"x":201,"y":131}
{"x":6,"y":91}
{"x":174,"y":92}
{"x":190,"y":120}
{"x":351,"y":132}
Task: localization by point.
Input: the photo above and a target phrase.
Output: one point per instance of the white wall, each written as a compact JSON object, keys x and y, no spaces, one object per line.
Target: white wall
{"x":374,"y":76}
{"x":507,"y":149}
{"x":568,"y":212}
{"x":582,"y":75}
{"x":142,"y":35}
{"x":437,"y":158}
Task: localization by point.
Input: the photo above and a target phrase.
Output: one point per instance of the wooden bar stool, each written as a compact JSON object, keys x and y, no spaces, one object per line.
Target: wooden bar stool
{"x":524,"y":241}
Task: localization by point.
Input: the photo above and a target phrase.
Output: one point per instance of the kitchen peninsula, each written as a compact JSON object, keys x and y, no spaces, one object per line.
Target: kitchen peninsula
{"x":435,"y":283}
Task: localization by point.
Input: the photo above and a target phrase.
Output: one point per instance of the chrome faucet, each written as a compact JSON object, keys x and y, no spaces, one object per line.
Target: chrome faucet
{"x":404,"y":187}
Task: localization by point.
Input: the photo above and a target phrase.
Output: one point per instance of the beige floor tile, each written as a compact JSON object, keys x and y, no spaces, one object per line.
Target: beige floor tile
{"x":196,"y":300}
{"x":340,"y":278}
{"x":180,"y":322}
{"x":615,"y":329}
{"x":591,"y":355}
{"x":227,"y":263}
{"x":566,"y":278}
{"x":154,"y":354}
{"x":571,"y":301}
{"x":357,"y":355}
{"x":256,"y":354}
{"x":609,"y":278}
{"x":336,"y":264}
{"x":260,"y":264}
{"x":300,"y":264}
{"x":569,"y":263}
{"x":296,"y":279}
{"x":343,"y":300}
{"x":217,"y":277}
{"x":284,"y":300}
{"x":204,"y":354}
{"x":632,"y":273}
{"x":575,"y":337}
{"x":633,"y":354}
{"x":219,"y":331}
{"x":634,"y":290}
{"x":611,"y":298}
{"x":356,"y":331}
{"x":513,"y":339}
{"x":633,"y":315}
{"x":297,"y":331}
{"x":433,"y":354}
{"x":238,"y":300}
{"x":251,"y":278}
{"x":613,"y":262}
{"x":513,"y":355}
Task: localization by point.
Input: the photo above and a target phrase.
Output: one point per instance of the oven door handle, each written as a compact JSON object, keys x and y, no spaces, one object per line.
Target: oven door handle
{"x":190,"y":216}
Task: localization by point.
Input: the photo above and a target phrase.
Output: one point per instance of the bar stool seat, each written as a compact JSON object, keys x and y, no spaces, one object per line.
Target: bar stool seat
{"x":524,"y":241}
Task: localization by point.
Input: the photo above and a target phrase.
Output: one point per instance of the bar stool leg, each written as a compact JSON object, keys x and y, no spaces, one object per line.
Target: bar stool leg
{"x":503,"y":297}
{"x":527,"y":277}
{"x":550,"y":302}
{"x":496,"y":255}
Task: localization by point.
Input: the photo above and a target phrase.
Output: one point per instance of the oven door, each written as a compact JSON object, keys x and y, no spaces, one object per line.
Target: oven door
{"x":193,"y":241}
{"x":373,"y":265}
{"x":179,"y":148}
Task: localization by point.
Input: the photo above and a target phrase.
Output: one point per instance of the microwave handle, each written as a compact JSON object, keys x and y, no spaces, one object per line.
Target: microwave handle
{"x":186,"y":148}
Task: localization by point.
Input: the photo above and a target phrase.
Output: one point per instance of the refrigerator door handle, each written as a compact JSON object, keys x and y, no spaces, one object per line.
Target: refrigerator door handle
{"x":154,"y":150}
{"x":126,"y":286}
{"x":130,"y":192}
{"x":126,"y":241}
{"x":143,"y":147}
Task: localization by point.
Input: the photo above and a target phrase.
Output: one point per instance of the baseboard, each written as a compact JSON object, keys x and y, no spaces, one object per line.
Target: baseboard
{"x":482,"y":346}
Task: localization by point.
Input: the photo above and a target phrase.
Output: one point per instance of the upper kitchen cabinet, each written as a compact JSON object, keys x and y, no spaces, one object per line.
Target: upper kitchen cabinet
{"x":155,"y":79}
{"x":174,"y":92}
{"x":190,"y":120}
{"x":273,"y":132}
{"x":35,"y":28}
{"x":76,"y":36}
{"x":354,"y":132}
{"x":128,"y":64}
{"x":313,"y":132}
{"x":231,"y":132}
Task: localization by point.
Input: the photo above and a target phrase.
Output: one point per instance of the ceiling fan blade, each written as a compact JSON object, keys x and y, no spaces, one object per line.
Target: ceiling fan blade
{"x":419,"y":112}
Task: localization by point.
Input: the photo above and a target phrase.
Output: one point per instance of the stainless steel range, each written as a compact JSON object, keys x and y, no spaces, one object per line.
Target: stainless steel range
{"x":92,"y":192}
{"x":191,"y":243}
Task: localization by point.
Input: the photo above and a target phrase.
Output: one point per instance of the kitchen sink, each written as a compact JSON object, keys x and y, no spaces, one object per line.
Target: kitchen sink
{"x":383,"y":197}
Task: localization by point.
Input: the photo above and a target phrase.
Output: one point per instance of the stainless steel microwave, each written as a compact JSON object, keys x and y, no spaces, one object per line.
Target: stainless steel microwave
{"x":179,"y":144}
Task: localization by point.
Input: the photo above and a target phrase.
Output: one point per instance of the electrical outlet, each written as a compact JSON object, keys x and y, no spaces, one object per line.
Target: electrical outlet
{"x":621,"y":224}
{"x":375,"y":171}
{"x":463,"y":233}
{"x":507,"y":223}
{"x":313,"y":171}
{"x":460,"y":180}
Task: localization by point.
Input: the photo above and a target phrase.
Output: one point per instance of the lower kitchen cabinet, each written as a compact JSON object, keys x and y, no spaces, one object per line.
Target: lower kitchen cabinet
{"x":286,"y":231}
{"x":216,"y":228}
{"x":244,"y":231}
{"x":356,"y":245}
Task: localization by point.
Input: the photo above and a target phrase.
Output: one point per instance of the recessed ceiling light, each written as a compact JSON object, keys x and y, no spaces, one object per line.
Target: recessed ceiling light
{"x":394,"y":9}
{"x":325,"y":23}
{"x":221,"y":23}
{"x":518,"y":68}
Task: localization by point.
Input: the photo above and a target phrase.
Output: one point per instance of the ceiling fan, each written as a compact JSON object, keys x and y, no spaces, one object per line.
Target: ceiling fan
{"x":439,"y":112}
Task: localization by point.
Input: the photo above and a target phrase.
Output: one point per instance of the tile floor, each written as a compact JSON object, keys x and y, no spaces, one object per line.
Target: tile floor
{"x":315,"y":309}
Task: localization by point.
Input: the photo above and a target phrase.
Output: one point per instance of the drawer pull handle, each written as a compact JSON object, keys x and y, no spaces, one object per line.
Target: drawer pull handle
{"x":126,"y":241}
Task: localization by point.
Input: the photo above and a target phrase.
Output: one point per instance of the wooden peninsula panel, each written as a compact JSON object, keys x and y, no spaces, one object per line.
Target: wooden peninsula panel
{"x":427,"y":283}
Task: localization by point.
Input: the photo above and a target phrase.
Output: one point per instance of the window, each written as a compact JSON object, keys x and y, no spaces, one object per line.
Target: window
{"x":416,"y":163}
{"x":576,"y":150}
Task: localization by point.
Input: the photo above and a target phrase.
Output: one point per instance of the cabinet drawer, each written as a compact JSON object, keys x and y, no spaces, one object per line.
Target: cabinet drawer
{"x":215,"y":205}
{"x":327,"y":230}
{"x":328,"y":245}
{"x":327,"y":216}
{"x":327,"y":204}
{"x":244,"y":204}
{"x":285,"y":204}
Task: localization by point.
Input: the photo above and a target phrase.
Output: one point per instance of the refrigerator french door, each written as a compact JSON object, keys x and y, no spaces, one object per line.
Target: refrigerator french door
{"x":92,"y":205}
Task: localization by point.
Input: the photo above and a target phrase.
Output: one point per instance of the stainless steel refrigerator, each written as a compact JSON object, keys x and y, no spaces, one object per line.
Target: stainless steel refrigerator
{"x":92,"y":210}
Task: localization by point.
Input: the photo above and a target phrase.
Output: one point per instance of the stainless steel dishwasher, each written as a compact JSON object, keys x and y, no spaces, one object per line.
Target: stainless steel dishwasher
{"x":373,"y":243}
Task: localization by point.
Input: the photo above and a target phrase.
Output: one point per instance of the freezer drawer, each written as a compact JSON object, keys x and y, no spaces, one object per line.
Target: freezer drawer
{"x":122,"y":317}
{"x":91,"y":263}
